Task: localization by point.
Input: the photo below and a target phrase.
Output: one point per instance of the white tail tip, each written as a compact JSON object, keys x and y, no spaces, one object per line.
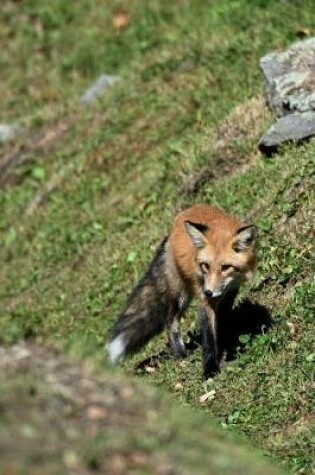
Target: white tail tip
{"x":116,"y":349}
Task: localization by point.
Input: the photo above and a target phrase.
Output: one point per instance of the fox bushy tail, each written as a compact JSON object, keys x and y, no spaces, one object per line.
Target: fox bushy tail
{"x":146,"y":312}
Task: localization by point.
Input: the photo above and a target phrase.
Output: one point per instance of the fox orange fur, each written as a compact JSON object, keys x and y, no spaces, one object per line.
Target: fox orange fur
{"x":207,"y":255}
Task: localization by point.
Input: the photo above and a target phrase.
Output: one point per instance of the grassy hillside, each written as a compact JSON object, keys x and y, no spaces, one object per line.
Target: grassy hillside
{"x":87,"y":193}
{"x":58,"y":417}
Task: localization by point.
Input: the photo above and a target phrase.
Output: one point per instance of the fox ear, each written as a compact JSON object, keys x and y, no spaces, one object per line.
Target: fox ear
{"x":196,"y":233}
{"x":245,"y":238}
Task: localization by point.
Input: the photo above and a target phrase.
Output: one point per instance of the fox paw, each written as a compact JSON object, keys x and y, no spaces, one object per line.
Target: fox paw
{"x":211,"y":367}
{"x":178,"y":349}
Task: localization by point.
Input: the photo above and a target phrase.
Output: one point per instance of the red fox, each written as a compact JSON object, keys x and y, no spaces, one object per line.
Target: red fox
{"x":207,"y":255}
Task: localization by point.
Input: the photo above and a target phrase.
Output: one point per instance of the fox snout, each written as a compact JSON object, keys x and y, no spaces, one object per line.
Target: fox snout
{"x":208,"y":293}
{"x":212,"y":294}
{"x":217,"y":287}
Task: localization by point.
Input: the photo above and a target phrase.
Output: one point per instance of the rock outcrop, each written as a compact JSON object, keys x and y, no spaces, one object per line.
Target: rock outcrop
{"x":290,"y":93}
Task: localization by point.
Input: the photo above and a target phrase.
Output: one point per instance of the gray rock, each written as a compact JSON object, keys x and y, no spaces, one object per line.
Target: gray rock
{"x":292,"y":127}
{"x":94,"y":92}
{"x":9,"y":132}
{"x":290,"y":78}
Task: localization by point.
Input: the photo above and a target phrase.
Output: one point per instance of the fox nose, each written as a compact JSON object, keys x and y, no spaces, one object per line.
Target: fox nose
{"x":208,"y":293}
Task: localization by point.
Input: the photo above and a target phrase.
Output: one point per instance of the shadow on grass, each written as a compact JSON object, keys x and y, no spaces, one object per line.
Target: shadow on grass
{"x":247,"y":318}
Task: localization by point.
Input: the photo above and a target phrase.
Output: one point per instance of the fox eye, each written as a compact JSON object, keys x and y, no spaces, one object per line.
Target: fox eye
{"x":204,"y":266}
{"x":225,"y":267}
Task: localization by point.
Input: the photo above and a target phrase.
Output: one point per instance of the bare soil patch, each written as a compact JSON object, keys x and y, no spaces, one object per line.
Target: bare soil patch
{"x":243,"y":126}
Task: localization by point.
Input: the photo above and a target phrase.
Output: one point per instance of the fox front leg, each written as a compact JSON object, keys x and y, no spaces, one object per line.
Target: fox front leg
{"x":223,"y":315}
{"x":175,"y":339}
{"x":207,"y":322}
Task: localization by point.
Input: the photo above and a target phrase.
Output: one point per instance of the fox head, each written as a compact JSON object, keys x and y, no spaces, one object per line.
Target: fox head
{"x":224,"y":258}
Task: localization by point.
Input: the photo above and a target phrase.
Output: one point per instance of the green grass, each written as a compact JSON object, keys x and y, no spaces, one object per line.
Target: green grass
{"x":96,"y":189}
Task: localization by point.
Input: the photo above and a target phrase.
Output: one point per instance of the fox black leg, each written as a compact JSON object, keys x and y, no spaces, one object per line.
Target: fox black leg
{"x":175,"y":339}
{"x":207,"y":322}
{"x":223,"y":320}
{"x":225,"y":306}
